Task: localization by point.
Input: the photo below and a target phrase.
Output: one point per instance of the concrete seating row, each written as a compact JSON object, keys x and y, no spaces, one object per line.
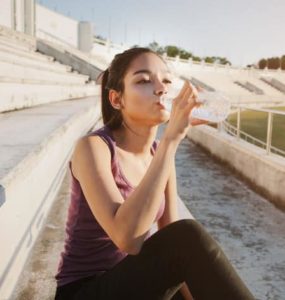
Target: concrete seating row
{"x":268,"y":90}
{"x":275,"y":83}
{"x":29,"y":78}
{"x":35,"y":146}
{"x":223,"y":79}
{"x":29,"y":59}
{"x":83,"y":63}
{"x":33,"y":72}
{"x":30,"y":54}
{"x":250,"y":87}
{"x":35,"y":142}
{"x":17,"y":44}
{"x":198,"y":82}
{"x":18,"y":95}
{"x":18,"y":36}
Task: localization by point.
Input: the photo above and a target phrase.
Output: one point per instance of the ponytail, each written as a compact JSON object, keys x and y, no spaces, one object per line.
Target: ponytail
{"x":111,"y":116}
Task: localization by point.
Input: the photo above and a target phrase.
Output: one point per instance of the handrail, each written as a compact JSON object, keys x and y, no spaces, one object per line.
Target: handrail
{"x":239,"y":134}
{"x":277,"y":112}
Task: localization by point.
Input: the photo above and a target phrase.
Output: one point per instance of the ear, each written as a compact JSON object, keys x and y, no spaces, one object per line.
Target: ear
{"x":115,"y":99}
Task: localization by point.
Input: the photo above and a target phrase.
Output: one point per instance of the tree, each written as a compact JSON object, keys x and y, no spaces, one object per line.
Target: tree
{"x":283,"y":62}
{"x":172,"y":51}
{"x":185,"y":54}
{"x":210,"y":60}
{"x":262,"y":63}
{"x":196,"y":58}
{"x":224,"y":61}
{"x":153,"y":46}
{"x":273,"y":63}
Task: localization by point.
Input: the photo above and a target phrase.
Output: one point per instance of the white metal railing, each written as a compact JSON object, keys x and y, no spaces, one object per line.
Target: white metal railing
{"x":239,"y":134}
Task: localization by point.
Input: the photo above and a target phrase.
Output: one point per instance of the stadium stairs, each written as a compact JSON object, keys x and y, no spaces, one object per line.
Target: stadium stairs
{"x":44,"y":108}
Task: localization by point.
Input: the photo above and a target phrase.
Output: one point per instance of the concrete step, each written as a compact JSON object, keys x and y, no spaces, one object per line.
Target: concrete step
{"x":19,"y":95}
{"x":19,"y":59}
{"x":17,"y":36}
{"x":35,"y":146}
{"x":17,"y":44}
{"x":33,"y":72}
{"x":35,"y":55}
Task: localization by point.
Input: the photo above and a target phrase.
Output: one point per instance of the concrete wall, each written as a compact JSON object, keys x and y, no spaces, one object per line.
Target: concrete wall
{"x":52,"y":24}
{"x":266,"y":172}
{"x":6,"y":13}
{"x":18,"y":15}
{"x":85,"y":36}
{"x":29,"y":17}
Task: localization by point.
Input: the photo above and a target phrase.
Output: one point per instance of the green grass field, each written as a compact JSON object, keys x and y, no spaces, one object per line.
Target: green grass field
{"x":255,"y":124}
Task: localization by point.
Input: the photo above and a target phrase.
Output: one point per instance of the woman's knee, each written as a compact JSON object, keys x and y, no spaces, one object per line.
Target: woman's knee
{"x":185,"y":234}
{"x":186,"y":228}
{"x":191,"y":235}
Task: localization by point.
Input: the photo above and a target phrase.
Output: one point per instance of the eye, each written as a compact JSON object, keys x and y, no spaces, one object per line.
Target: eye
{"x":142,"y":81}
{"x":167,"y":81}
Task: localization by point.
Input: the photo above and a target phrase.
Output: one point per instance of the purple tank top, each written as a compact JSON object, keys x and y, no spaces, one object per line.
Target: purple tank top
{"x":88,"y":250}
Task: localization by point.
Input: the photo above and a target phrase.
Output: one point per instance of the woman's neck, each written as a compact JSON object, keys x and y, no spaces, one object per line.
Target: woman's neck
{"x":135,"y":139}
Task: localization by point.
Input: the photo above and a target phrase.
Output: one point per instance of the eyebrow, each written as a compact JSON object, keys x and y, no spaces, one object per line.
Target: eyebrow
{"x":146,"y":71}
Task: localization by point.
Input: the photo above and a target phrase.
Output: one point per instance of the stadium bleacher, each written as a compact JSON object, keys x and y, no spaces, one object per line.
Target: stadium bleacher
{"x":28,"y":78}
{"x":39,"y":92}
{"x":44,"y":108}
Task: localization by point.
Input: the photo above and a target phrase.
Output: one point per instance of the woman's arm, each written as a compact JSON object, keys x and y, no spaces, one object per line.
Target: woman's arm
{"x":126,"y":221}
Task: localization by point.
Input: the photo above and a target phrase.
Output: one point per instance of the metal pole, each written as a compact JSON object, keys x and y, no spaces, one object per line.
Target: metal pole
{"x":269,"y":132}
{"x":238,"y":123}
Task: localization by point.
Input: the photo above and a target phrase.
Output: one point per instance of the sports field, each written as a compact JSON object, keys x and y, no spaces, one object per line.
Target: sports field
{"x":255,"y":124}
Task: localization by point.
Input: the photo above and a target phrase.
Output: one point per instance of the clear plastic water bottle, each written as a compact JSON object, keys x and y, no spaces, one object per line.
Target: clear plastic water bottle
{"x":215,"y":107}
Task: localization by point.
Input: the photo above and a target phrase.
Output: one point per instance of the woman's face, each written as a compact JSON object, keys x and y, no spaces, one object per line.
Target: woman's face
{"x":145,"y":83}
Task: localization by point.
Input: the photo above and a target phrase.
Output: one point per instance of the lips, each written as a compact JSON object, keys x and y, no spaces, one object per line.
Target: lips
{"x":161,"y":105}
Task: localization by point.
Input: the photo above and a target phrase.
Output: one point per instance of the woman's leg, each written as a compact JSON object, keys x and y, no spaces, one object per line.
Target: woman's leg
{"x":181,"y":251}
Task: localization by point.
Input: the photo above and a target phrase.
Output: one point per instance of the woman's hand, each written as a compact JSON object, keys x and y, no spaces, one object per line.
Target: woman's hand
{"x":180,"y":120}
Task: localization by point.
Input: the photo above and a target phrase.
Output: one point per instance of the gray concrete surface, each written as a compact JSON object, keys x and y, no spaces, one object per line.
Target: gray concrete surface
{"x":248,"y":227}
{"x":267,"y":172}
{"x":37,"y":279}
{"x":17,"y":137}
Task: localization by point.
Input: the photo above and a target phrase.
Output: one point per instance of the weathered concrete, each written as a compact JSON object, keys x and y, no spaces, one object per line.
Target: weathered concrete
{"x":67,"y":56}
{"x":249,"y":228}
{"x":32,"y":167}
{"x":19,"y":94}
{"x":267,"y":172}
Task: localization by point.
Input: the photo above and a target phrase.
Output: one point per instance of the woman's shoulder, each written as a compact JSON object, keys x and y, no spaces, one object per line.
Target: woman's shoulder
{"x":98,"y":140}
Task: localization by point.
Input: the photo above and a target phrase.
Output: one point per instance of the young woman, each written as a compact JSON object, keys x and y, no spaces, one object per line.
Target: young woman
{"x":123,"y":180}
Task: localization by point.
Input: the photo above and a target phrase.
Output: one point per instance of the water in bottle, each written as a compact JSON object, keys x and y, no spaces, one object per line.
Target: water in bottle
{"x":215,"y":107}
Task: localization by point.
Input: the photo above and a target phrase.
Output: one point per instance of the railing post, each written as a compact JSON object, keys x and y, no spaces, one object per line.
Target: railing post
{"x":269,"y":132}
{"x":238,"y":123}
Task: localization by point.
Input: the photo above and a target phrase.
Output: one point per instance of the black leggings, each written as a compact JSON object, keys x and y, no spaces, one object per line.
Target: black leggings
{"x":181,"y":251}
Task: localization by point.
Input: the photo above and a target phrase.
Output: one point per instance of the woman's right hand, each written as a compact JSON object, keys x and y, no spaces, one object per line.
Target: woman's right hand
{"x":180,"y":120}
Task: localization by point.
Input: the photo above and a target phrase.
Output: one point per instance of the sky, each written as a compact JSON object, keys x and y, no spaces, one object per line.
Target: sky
{"x":243,"y":31}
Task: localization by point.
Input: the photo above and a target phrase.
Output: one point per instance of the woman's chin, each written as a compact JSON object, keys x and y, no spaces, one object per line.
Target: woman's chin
{"x":165,"y":117}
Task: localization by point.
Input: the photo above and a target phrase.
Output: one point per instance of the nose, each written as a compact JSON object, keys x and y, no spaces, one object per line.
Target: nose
{"x":159,"y":88}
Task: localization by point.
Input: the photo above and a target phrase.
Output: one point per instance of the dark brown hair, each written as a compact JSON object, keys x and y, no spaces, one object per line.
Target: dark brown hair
{"x":113,"y":78}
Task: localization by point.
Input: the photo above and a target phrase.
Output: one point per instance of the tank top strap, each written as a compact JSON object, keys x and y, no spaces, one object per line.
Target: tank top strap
{"x":106,"y":134}
{"x":155,"y":145}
